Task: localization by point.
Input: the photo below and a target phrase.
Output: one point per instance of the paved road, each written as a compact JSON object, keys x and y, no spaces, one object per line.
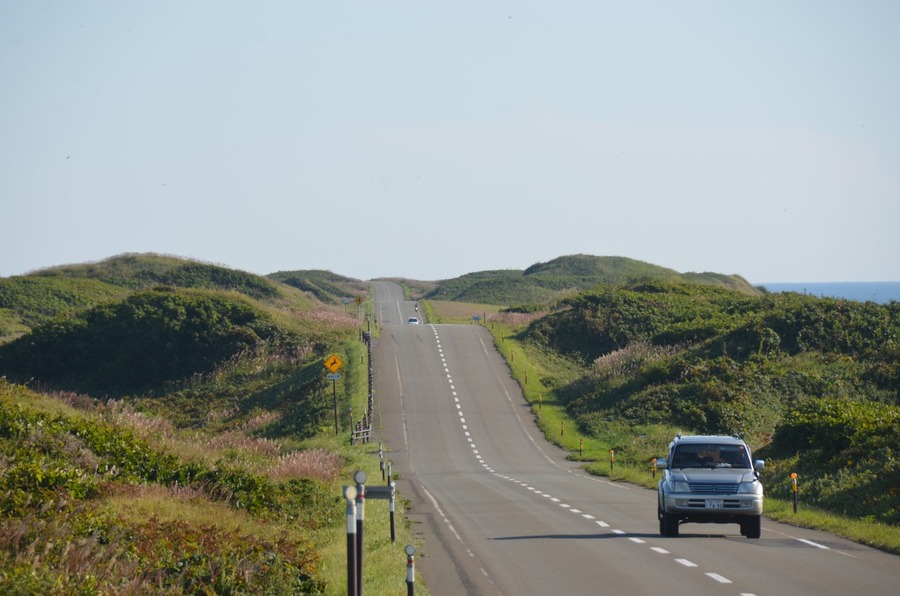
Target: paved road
{"x":502,"y":511}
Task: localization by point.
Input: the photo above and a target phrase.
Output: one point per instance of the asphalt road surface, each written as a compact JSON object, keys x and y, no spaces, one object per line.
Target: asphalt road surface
{"x":501,"y":511}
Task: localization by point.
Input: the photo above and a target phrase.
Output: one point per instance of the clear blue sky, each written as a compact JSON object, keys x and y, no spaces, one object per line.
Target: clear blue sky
{"x":429,"y":140}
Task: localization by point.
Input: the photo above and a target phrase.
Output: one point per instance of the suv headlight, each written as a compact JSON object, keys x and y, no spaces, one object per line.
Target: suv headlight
{"x":748,"y":488}
{"x":680,"y":486}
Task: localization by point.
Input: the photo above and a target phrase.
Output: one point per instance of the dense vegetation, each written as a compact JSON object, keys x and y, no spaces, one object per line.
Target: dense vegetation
{"x":137,"y":271}
{"x":324,"y":285}
{"x":814,"y":380}
{"x":26,"y":302}
{"x":139,"y":344}
{"x":543,"y":283}
{"x":62,"y":292}
{"x":76,"y":483}
{"x":200,"y":477}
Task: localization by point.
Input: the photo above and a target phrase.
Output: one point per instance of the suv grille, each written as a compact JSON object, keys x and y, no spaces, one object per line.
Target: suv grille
{"x":708,"y":487}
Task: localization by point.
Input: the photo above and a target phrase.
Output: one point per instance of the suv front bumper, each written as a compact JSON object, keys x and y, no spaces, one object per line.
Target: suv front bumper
{"x":712,"y":506}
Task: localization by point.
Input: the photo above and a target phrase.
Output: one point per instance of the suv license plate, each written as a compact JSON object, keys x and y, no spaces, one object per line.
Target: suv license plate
{"x":714,"y":503}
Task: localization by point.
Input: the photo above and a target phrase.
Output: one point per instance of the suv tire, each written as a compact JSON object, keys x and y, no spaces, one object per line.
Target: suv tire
{"x":751,"y":527}
{"x":668,"y":525}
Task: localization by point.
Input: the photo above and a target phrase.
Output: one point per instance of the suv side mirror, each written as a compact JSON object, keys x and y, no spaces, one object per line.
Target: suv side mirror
{"x":759,"y":464}
{"x":661,"y":463}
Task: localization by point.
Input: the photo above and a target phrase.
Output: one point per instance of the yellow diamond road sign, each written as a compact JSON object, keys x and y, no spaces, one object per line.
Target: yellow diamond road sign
{"x":333,"y":363}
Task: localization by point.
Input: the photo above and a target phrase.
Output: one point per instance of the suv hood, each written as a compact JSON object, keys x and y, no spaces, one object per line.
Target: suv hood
{"x":713,"y":476}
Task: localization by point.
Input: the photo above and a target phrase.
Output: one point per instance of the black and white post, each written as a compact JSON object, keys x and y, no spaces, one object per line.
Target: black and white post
{"x":360,"y":478}
{"x":350,"y":495}
{"x":410,"y":569}
{"x":393,"y":498}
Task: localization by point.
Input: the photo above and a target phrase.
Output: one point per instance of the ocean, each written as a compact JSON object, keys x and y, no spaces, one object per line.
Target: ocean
{"x":862,"y":291}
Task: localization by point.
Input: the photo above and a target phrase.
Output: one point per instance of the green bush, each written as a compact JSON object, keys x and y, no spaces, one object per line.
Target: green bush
{"x":137,"y":344}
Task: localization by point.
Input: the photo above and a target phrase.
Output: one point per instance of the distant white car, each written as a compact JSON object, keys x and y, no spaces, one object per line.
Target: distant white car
{"x":412,"y":321}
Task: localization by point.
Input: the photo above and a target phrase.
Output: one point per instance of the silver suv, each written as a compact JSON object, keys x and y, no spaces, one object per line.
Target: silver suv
{"x":709,"y":479}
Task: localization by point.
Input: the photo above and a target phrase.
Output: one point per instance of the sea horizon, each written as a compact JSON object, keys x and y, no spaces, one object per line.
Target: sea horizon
{"x":881,"y":292}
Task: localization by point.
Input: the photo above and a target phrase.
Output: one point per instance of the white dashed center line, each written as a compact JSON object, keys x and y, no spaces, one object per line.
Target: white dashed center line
{"x":719,"y":578}
{"x":685,"y":562}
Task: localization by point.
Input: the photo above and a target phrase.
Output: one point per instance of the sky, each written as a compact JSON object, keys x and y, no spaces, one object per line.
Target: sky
{"x":428,"y":140}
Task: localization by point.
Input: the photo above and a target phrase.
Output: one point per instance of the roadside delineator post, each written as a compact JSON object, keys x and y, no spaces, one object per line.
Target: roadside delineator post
{"x":410,"y":569}
{"x":393,"y":532}
{"x":393,"y":494}
{"x":653,"y":467}
{"x":350,"y":495}
{"x":794,"y":489}
{"x":360,"y":478}
{"x":612,"y":458}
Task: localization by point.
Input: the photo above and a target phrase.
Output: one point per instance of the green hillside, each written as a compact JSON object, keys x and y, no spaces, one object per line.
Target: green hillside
{"x":139,"y":344}
{"x":134,"y":324}
{"x":100,"y":499}
{"x":816,"y":381}
{"x":141,"y":271}
{"x":180,"y":439}
{"x":324,"y":285}
{"x":610,"y":270}
{"x":542,"y":283}
{"x":28,"y":301}
{"x":62,"y":292}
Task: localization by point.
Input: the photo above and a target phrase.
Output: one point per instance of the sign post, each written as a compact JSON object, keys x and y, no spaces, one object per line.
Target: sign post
{"x":333,"y":363}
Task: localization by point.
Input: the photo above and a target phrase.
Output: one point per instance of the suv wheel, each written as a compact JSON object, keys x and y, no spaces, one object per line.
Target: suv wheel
{"x":751,"y":527}
{"x":668,"y":525}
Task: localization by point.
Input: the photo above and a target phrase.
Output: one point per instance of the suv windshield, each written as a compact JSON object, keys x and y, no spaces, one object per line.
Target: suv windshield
{"x":700,"y":455}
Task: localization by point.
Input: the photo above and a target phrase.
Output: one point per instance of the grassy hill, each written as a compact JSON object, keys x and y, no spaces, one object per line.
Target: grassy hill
{"x":141,"y":343}
{"x":543,"y":283}
{"x":815,"y":381}
{"x":61,"y":292}
{"x":141,"y":271}
{"x":136,"y":324}
{"x":28,"y":301}
{"x":182,"y":439}
{"x":324,"y":285}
